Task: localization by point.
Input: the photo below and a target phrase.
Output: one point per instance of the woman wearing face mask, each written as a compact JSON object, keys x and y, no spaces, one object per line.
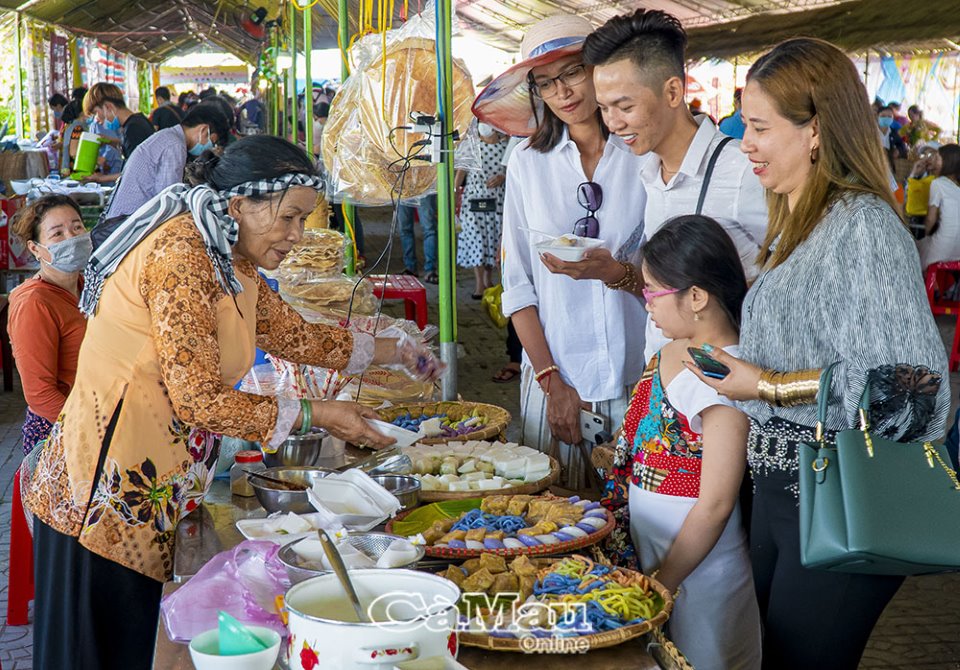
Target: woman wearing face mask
{"x":176,"y":309}
{"x":159,"y":162}
{"x":45,"y":325}
{"x":582,"y":340}
{"x":478,"y":244}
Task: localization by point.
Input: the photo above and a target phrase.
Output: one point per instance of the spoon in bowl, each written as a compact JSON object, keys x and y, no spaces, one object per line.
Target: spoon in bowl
{"x":336,"y":562}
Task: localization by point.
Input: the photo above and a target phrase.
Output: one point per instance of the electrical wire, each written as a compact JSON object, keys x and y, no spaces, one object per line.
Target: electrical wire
{"x":401,"y":166}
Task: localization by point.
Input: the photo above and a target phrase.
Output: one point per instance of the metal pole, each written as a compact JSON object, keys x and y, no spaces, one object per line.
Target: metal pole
{"x":292,"y":78}
{"x":275,"y":84}
{"x":349,"y":211}
{"x":308,"y":79}
{"x":283,"y":98}
{"x":19,"y":82}
{"x":446,"y":237}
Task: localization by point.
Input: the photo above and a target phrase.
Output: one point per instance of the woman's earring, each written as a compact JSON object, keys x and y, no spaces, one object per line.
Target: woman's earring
{"x":696,"y":316}
{"x":814,"y":154}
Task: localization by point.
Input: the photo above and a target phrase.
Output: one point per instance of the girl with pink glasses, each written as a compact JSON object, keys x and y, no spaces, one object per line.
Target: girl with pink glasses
{"x":681,"y":453}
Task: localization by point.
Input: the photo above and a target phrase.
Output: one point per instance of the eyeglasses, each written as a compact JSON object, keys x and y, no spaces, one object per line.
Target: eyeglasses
{"x":649,"y":295}
{"x":590,"y":197}
{"x":547,"y":88}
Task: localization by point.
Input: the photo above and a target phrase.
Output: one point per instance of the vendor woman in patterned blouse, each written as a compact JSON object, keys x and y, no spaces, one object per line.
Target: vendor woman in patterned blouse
{"x":176,"y":309}
{"x":840,"y":283}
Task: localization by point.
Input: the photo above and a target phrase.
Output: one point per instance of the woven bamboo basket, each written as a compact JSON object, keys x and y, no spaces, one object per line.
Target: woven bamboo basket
{"x":497,"y":418}
{"x":540,"y":550}
{"x":581,"y":643}
{"x":531,"y":487}
{"x":665,"y":653}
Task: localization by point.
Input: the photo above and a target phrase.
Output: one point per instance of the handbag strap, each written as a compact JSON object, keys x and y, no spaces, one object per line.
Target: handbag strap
{"x":709,"y":173}
{"x":825,"y":379}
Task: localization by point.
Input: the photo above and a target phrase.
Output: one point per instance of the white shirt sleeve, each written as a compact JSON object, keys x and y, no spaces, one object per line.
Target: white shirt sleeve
{"x":517,"y":274}
{"x":936,"y":193}
{"x":691,"y":397}
{"x":752,"y":207}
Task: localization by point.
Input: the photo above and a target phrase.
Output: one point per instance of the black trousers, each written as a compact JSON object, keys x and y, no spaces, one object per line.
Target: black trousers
{"x":811,"y":618}
{"x":514,"y":348}
{"x":89,"y":612}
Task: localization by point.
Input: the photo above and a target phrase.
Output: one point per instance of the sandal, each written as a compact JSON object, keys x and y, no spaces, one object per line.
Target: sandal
{"x":507,"y":374}
{"x":432,"y":278}
{"x":476,"y":296}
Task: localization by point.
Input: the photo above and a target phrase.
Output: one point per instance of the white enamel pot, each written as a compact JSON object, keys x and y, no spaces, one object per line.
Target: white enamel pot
{"x":415,"y":617}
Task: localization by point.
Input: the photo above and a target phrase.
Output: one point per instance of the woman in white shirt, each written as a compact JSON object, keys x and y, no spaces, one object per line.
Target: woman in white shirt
{"x":942,"y":242}
{"x":582,"y":340}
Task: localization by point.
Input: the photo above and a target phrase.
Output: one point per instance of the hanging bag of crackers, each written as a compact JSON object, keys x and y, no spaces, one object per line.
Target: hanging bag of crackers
{"x":311,"y":276}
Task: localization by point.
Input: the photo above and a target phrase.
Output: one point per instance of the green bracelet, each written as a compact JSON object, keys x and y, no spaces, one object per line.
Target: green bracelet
{"x":307,"y":421}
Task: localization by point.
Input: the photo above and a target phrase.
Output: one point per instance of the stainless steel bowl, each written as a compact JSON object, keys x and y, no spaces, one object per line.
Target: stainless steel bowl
{"x":297,"y":450}
{"x":372,"y":544}
{"x":406,"y":489}
{"x":277,"y":500}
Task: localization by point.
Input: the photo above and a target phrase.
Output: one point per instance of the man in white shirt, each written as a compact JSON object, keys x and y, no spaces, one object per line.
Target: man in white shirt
{"x":640,"y":83}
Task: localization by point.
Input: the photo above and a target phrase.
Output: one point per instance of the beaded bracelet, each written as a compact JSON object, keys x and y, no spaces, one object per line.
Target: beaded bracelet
{"x":306,"y":423}
{"x":628,"y":281}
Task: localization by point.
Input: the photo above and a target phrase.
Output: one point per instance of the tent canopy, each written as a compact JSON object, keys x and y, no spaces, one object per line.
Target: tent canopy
{"x":154,"y":30}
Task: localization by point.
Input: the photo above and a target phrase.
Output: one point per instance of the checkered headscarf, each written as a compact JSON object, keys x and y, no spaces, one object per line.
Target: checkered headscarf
{"x":209,"y":209}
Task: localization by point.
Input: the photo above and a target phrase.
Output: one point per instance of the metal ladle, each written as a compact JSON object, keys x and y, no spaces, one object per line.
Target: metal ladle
{"x":336,"y":562}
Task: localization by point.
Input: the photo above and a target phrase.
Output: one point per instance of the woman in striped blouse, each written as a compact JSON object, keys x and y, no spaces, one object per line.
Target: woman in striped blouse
{"x":840,"y":282}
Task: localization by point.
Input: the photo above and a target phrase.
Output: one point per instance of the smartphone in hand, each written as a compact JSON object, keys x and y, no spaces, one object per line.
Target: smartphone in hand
{"x":710,"y":367}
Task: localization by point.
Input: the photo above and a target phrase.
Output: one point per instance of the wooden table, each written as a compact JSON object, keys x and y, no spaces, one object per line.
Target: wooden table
{"x":211,"y":528}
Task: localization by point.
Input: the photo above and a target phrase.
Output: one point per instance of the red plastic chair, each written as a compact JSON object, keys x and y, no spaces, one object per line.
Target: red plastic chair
{"x":406,"y":288}
{"x":940,"y":278}
{"x":20,"y":580}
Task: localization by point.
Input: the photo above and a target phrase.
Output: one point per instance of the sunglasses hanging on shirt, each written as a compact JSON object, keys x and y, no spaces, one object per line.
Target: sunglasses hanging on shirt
{"x":590,"y":197}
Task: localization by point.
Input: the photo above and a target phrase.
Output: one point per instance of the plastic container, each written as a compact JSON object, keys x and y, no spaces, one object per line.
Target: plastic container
{"x":245,"y":460}
{"x":88,"y":148}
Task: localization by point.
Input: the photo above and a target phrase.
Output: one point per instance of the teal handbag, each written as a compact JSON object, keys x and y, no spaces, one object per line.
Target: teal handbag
{"x":872,"y":505}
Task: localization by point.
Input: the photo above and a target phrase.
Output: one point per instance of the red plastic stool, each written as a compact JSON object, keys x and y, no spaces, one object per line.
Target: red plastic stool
{"x":940,"y":278}
{"x":403,"y":287}
{"x":20,"y":582}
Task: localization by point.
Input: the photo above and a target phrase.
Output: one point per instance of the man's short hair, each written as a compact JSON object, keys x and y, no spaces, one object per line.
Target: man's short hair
{"x":652,"y":40}
{"x":162,"y":93}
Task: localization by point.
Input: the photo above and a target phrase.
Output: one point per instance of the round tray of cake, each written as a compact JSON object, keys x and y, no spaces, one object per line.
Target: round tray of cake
{"x":457,"y":470}
{"x":568,"y":604}
{"x":506,"y":525}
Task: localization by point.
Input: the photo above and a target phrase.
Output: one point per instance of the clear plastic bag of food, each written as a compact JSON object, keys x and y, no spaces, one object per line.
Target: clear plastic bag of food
{"x":322,"y":294}
{"x":370,"y":151}
{"x":320,"y":254}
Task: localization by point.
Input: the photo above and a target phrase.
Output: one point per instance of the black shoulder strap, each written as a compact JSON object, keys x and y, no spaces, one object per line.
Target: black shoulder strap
{"x":706,"y":178}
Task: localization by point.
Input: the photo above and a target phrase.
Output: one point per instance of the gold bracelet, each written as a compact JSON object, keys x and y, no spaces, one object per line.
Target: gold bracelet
{"x":798,"y":388}
{"x":628,"y":281}
{"x":767,"y":387}
{"x":788,"y":389}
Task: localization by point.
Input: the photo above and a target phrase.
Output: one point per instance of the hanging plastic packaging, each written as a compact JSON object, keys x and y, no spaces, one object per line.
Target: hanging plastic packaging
{"x":370,"y":154}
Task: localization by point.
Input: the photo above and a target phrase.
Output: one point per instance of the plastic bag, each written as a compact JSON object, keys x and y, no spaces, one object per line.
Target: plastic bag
{"x":365,"y":141}
{"x":319,"y":255}
{"x":331,"y":294}
{"x":492,"y":301}
{"x":243,"y":582}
